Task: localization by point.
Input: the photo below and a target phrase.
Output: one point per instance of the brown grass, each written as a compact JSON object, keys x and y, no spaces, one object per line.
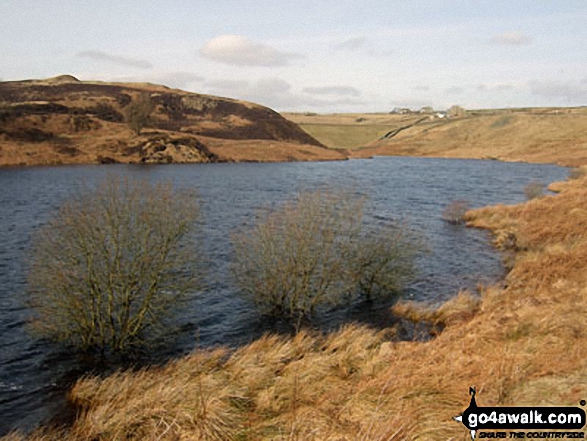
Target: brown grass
{"x":524,"y":342}
{"x":349,"y":130}
{"x":269,"y":151}
{"x":546,"y":135}
{"x":555,"y":135}
{"x":65,"y":121}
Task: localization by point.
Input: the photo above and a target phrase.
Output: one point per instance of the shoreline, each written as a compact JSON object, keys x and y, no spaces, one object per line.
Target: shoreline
{"x":142,"y":164}
{"x":285,"y":161}
{"x":491,"y":344}
{"x":220,"y":151}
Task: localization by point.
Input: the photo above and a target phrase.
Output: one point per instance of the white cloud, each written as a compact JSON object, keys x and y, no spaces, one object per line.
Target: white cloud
{"x":333,"y":90}
{"x":454,"y":90}
{"x":241,"y":51}
{"x":362,"y":46}
{"x":178,"y":79}
{"x":115,"y":59}
{"x":513,"y":38}
{"x":570,"y":91}
{"x":496,"y":87}
{"x":271,"y":86}
{"x":232,"y":88}
{"x":352,"y":44}
{"x":275,"y":93}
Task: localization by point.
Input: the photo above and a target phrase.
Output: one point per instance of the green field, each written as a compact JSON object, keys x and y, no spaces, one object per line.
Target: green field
{"x":349,"y":131}
{"x":345,"y":136}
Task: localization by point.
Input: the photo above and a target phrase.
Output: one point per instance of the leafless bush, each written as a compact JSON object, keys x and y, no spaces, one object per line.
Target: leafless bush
{"x":382,"y":260}
{"x":454,"y":213}
{"x":138,"y":112}
{"x":113,"y":262}
{"x":534,"y":190}
{"x":316,"y":250}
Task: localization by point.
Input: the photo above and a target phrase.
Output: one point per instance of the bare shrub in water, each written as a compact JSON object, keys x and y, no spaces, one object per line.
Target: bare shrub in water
{"x":454,"y":213}
{"x":534,"y":190}
{"x":382,"y":260}
{"x":316,"y":250}
{"x":113,"y":263}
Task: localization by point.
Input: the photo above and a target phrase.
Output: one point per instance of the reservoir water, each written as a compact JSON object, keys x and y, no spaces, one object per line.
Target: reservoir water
{"x":35,"y":374}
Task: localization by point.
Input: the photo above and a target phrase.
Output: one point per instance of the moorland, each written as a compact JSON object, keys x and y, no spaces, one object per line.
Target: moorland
{"x":541,"y":135}
{"x":520,"y":342}
{"x":63,"y":120}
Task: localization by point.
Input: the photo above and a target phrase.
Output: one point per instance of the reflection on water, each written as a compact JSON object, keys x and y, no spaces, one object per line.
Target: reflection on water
{"x":34,"y":374}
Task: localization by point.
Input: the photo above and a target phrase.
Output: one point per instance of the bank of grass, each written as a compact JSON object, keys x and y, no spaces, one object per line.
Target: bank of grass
{"x":346,"y":136}
{"x":522,"y":342}
{"x":350,"y":130}
{"x":542,"y":135}
{"x":546,"y":136}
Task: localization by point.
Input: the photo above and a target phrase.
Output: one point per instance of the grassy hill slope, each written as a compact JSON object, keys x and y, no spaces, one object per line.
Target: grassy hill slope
{"x":63,"y":121}
{"x":552,"y":135}
{"x":534,"y":134}
{"x":349,"y":130}
{"x":521,"y":342}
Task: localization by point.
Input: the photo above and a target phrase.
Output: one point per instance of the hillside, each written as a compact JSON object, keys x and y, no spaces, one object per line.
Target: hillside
{"x":527,"y":134}
{"x":534,"y":135}
{"x":350,"y":130}
{"x":65,"y":121}
{"x":521,"y":342}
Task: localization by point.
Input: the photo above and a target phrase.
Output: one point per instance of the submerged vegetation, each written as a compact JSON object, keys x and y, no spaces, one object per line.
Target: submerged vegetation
{"x":521,"y":343}
{"x":534,"y":190}
{"x":116,"y":261}
{"x":317,"y":250}
{"x":113,"y":263}
{"x":454,"y":213}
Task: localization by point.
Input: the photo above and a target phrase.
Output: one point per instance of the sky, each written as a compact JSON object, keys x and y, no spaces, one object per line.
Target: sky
{"x":320,"y":56}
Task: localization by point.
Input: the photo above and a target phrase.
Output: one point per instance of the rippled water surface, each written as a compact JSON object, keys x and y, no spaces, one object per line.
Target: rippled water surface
{"x":35,"y":374}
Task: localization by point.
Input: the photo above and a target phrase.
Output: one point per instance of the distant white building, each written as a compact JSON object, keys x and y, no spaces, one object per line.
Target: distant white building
{"x":401,"y":111}
{"x":456,"y":112}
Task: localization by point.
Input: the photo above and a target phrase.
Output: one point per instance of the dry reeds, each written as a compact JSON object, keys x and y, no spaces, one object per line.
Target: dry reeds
{"x":523,"y":343}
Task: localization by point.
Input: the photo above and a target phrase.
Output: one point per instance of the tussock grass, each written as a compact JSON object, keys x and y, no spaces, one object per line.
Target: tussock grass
{"x":521,"y":343}
{"x":460,"y":308}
